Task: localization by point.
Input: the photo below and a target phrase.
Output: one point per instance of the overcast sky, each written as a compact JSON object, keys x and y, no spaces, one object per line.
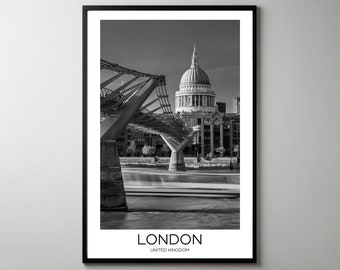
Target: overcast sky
{"x":165,"y":47}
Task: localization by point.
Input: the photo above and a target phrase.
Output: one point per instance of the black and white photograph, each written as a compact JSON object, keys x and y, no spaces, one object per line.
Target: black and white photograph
{"x":171,"y":127}
{"x":173,"y":161}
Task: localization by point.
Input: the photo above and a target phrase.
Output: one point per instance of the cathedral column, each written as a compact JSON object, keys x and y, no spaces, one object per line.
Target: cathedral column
{"x":202,"y":137}
{"x":231,"y":138}
{"x":212,"y":138}
{"x":221,"y":137}
{"x":197,"y":144}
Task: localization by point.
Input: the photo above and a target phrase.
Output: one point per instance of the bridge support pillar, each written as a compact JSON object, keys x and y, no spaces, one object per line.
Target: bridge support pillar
{"x":112,"y":193}
{"x":177,"y":162}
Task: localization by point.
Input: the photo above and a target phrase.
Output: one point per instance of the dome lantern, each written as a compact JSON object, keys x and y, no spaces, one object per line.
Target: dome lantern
{"x":194,"y":59}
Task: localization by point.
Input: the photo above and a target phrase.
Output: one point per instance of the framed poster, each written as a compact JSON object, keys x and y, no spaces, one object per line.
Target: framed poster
{"x":169,"y":172}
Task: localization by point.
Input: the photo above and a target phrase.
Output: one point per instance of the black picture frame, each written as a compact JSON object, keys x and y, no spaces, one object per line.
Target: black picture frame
{"x":85,"y":229}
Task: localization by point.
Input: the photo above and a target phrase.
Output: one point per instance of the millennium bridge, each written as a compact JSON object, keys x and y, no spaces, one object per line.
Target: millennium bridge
{"x":128,"y":105}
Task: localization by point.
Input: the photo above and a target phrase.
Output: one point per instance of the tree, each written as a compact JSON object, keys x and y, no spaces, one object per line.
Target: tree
{"x":210,"y":156}
{"x":148,"y":150}
{"x":131,"y":149}
{"x":220,"y":150}
{"x":237,"y":150}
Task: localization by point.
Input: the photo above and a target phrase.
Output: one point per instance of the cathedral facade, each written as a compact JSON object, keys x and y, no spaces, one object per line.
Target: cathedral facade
{"x":195,"y":103}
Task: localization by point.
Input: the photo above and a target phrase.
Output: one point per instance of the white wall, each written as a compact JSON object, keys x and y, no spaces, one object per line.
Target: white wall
{"x":40,"y":139}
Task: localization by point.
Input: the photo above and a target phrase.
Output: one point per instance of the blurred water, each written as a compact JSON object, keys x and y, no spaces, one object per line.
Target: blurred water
{"x":173,"y":211}
{"x":142,"y":176}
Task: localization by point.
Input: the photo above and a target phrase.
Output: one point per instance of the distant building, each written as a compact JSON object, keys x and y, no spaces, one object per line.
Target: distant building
{"x":221,"y":107}
{"x":236,"y":104}
{"x":139,"y":139}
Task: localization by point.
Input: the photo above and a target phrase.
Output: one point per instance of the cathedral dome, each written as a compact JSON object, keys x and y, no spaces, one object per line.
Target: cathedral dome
{"x":194,"y":75}
{"x":195,"y":93}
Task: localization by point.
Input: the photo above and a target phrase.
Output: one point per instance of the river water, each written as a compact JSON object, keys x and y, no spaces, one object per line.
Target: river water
{"x":177,"y":200}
